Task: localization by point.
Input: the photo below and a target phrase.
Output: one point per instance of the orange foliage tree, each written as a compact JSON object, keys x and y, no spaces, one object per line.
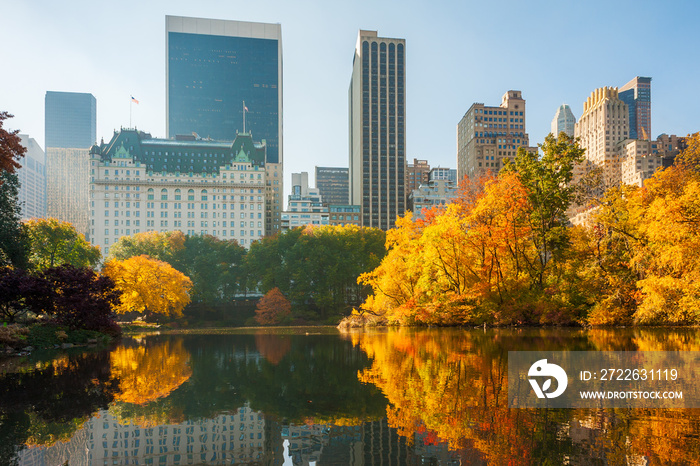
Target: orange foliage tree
{"x":272,"y":308}
{"x":149,"y":286}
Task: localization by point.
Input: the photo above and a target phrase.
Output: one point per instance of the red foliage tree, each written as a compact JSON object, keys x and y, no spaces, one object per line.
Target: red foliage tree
{"x":11,"y":149}
{"x":272,"y":308}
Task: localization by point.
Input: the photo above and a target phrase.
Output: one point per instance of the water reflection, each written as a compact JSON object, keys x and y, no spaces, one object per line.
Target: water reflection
{"x":452,"y":386}
{"x":386,"y":397}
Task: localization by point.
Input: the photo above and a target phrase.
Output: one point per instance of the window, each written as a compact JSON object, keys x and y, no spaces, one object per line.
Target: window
{"x":150,"y":195}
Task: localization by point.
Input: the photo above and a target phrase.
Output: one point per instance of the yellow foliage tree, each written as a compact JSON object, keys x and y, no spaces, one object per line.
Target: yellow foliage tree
{"x":670,"y":254}
{"x":149,"y":286}
{"x":462,"y":261}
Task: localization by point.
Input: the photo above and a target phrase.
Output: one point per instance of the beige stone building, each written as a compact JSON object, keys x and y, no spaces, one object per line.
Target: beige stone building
{"x":488,"y":135}
{"x":604,"y":132}
{"x":602,"y":126}
{"x":200,"y":187}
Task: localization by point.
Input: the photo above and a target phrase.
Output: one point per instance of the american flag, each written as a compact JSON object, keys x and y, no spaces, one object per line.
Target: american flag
{"x":134,"y":100}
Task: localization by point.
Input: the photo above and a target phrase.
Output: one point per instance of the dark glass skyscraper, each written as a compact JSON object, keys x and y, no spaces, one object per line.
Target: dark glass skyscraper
{"x":332,"y":184}
{"x":377,"y":129}
{"x":212,"y":67}
{"x":637,"y":95}
{"x":70,"y":120}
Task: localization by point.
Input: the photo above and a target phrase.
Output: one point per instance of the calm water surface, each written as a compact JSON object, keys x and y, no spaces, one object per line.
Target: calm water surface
{"x":320,"y":397}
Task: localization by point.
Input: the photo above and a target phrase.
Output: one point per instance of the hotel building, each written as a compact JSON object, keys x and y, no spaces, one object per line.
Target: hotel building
{"x":200,"y":187}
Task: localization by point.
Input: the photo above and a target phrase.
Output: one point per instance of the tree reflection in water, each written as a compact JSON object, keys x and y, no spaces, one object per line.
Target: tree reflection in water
{"x":451,"y":386}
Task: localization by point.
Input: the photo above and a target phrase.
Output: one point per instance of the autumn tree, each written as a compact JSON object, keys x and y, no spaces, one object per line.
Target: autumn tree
{"x":149,"y":286}
{"x":163,"y":246}
{"x":689,"y":158}
{"x":54,"y":242}
{"x":548,"y":181}
{"x":11,"y":148}
{"x":78,"y":298}
{"x":15,"y":288}
{"x":272,"y":308}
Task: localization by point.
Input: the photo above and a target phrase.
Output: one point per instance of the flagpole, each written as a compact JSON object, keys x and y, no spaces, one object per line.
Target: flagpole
{"x":244,"y":116}
{"x":131,"y":101}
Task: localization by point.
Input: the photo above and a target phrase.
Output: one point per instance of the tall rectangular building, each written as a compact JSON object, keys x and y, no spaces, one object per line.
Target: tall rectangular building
{"x":32,"y":180}
{"x":70,"y":130}
{"x":212,"y":67}
{"x":488,"y":135}
{"x":377,"y":103}
{"x":637,"y":95}
{"x":332,"y":184}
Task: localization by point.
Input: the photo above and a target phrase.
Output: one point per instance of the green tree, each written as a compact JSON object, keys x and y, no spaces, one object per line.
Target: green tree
{"x":53,"y":242}
{"x":13,"y":240}
{"x":548,"y":180}
{"x":14,"y":244}
{"x":162,"y":246}
{"x":215,"y":267}
{"x":317,"y":267}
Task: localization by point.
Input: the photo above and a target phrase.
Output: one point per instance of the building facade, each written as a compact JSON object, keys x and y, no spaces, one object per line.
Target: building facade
{"x":602,"y":127}
{"x":212,"y":67}
{"x":304,"y":206}
{"x":488,"y":135}
{"x":70,"y":130}
{"x":637,"y":95}
{"x":440,"y":173}
{"x":32,"y":180}
{"x":332,"y":184}
{"x":438,"y":191}
{"x":377,"y":103}
{"x":200,"y":187}
{"x":641,"y":158}
{"x":417,"y":173}
{"x":564,"y":120}
{"x":344,"y":215}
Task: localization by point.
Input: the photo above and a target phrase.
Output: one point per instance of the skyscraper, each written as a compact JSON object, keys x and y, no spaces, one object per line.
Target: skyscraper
{"x":32,"y":179}
{"x":602,"y":127}
{"x":487,"y":135}
{"x":70,"y":130}
{"x":564,"y":120}
{"x":377,"y":129}
{"x":637,"y":95}
{"x":212,"y":68}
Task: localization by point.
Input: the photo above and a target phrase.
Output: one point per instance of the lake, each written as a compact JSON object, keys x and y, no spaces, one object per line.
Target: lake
{"x":317,"y":396}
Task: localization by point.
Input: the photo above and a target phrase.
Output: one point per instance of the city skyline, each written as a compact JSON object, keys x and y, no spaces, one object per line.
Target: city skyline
{"x":82,"y":58}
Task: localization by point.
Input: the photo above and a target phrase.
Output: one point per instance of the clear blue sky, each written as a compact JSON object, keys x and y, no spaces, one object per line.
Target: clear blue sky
{"x":457,"y":53}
